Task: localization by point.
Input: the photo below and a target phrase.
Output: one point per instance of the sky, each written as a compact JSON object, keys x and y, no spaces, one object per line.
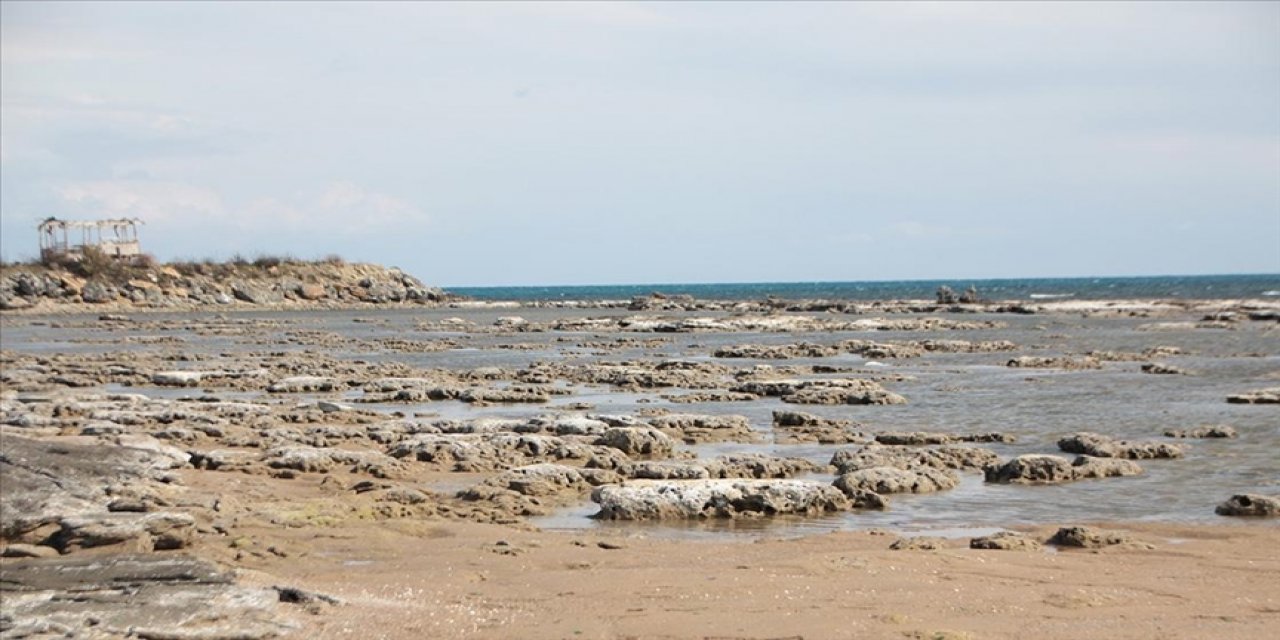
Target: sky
{"x":528,"y":143}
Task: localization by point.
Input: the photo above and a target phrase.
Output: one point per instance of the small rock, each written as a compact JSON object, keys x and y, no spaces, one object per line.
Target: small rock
{"x":918,"y":543}
{"x":1207,"y":431}
{"x":1250,"y":504}
{"x":1007,"y":541}
{"x":1261,"y":396}
{"x":1089,"y":538}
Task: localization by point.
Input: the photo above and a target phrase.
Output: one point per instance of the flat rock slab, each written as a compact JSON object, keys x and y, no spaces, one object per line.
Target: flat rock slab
{"x":1261,"y":396}
{"x":132,"y":595}
{"x":1206,"y":431}
{"x":698,"y":499}
{"x":1045,"y":469}
{"x":1100,"y":446}
{"x":46,"y":481}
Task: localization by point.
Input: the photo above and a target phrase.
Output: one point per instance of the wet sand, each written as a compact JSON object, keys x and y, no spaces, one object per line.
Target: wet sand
{"x":407,"y":579}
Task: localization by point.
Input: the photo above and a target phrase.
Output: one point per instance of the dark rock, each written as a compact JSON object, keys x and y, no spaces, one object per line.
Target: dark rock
{"x":918,"y":543}
{"x":1250,"y":504}
{"x":1005,"y":540}
{"x":1090,"y":538}
{"x":1261,"y":396}
{"x":1206,"y":431}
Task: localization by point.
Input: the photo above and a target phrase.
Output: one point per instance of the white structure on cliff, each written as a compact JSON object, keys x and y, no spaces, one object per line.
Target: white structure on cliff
{"x":116,"y":237}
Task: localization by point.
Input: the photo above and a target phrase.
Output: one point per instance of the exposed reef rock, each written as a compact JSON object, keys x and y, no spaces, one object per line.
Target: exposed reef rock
{"x":702,"y":499}
{"x":1100,"y":446}
{"x":1206,"y":431}
{"x":1261,"y":396}
{"x":1046,"y":469}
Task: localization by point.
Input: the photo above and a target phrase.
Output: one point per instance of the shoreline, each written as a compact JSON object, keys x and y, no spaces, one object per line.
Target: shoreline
{"x":662,"y":304}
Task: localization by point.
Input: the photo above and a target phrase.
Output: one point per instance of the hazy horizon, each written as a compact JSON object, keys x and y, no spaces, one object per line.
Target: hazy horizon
{"x":564,"y":144}
{"x":938,"y":279}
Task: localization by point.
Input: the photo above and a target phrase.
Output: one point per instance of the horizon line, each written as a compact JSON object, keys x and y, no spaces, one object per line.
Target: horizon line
{"x":950,"y":280}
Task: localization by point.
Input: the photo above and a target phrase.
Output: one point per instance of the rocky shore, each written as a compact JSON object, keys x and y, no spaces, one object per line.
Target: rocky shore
{"x":264,"y":283}
{"x":219,"y":472}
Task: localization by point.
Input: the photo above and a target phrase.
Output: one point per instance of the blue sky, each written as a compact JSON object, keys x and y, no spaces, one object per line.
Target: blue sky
{"x":574,"y":143}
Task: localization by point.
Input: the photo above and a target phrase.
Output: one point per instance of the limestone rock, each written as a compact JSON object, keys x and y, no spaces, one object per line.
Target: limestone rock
{"x":884,"y":480}
{"x":918,"y":543}
{"x":1046,"y":469}
{"x":46,"y":482}
{"x":303,"y":384}
{"x":755,"y":465}
{"x":695,"y":428}
{"x":1006,"y":541}
{"x":1101,"y":446}
{"x":1261,"y":396}
{"x":136,"y":596}
{"x":931,"y":437}
{"x":700,"y":499}
{"x":665,"y":470}
{"x":138,"y":532}
{"x":946,"y":457}
{"x":1091,"y":538}
{"x":638,"y":441}
{"x":1206,"y":431}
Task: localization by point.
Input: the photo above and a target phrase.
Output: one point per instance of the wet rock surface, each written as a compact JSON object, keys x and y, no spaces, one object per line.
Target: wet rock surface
{"x":1100,"y":446}
{"x":1094,"y":538}
{"x":1260,"y":396}
{"x":133,"y":596}
{"x":1006,"y":541}
{"x":905,"y":457}
{"x":702,"y":499}
{"x":1206,"y":431}
{"x":884,"y":480}
{"x":1047,"y":469}
{"x":1250,"y":504}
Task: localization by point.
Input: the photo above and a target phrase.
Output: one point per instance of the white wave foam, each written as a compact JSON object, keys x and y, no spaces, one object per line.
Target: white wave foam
{"x":1050,"y":296}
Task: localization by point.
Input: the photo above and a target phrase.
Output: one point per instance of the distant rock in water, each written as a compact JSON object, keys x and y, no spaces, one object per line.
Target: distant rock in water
{"x":1261,"y":396}
{"x":1207,"y":431}
{"x":1101,"y":446}
{"x":1248,"y":504}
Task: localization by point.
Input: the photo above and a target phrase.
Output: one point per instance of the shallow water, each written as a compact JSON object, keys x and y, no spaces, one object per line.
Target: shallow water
{"x":946,"y":392}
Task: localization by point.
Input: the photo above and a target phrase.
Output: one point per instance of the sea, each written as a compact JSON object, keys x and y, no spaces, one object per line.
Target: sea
{"x":1208,"y":287}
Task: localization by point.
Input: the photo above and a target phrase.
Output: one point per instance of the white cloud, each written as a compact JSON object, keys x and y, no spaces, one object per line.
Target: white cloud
{"x":151,"y":201}
{"x":342,"y":205}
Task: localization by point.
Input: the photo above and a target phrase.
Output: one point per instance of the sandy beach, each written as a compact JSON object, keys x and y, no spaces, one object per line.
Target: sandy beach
{"x":414,"y":579}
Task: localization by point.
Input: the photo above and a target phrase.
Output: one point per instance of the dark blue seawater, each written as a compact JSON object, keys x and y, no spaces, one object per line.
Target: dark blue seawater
{"x":1217,"y":287}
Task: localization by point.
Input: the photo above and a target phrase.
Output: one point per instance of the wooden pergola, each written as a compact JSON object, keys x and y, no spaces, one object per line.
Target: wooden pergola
{"x":116,"y":237}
